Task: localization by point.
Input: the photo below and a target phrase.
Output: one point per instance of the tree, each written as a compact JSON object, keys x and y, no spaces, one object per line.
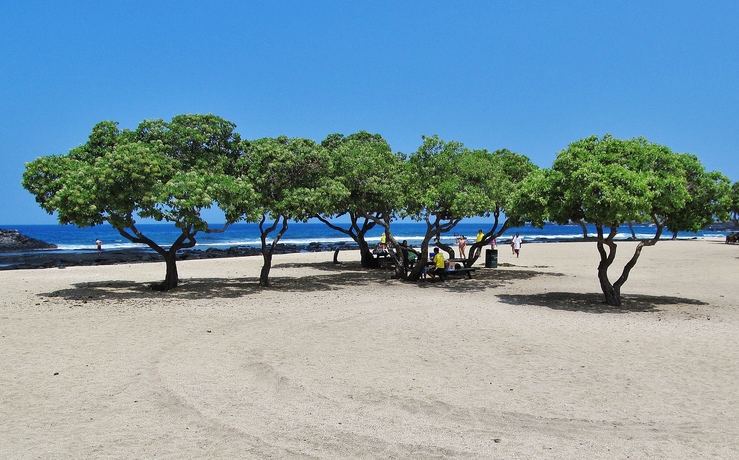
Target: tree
{"x":499,"y":173}
{"x":290,"y":180}
{"x":445,"y":185}
{"x":164,"y":171}
{"x":734,"y":208}
{"x":606,"y":182}
{"x":373,"y":175}
{"x":709,"y":197}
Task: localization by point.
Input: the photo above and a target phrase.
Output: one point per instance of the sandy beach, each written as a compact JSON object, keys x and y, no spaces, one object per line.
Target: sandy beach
{"x":523,"y":361}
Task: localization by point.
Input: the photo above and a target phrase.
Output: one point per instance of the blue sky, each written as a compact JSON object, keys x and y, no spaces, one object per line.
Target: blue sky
{"x":528,"y":76}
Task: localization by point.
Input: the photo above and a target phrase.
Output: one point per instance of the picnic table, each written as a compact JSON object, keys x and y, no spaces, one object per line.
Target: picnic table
{"x":464,"y":270}
{"x":459,"y":260}
{"x":384,"y":259}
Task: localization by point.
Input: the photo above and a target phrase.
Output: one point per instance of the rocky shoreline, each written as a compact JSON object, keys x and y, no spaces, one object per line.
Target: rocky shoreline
{"x":32,"y":259}
{"x":13,"y":240}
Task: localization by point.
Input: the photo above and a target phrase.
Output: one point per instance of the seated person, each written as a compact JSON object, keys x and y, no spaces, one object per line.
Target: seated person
{"x":439,"y":263}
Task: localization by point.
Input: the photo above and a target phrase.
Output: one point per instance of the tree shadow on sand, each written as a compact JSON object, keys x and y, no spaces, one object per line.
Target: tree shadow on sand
{"x":484,"y":279}
{"x":337,"y":277}
{"x":594,"y":303}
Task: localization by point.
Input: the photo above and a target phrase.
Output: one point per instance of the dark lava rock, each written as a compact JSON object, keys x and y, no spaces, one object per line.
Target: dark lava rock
{"x":14,"y":241}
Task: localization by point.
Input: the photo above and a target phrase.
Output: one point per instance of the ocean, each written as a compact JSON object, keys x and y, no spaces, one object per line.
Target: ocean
{"x":73,"y":239}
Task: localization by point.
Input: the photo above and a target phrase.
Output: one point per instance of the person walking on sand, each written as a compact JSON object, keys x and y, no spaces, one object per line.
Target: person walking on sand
{"x":99,"y":245}
{"x":516,"y":244}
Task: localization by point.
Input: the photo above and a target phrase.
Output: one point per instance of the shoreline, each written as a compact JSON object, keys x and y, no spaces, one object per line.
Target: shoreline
{"x":55,"y":258}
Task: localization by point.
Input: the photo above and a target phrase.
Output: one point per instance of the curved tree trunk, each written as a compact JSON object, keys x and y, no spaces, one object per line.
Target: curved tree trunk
{"x":637,"y":252}
{"x":444,"y":247}
{"x":357,"y":233}
{"x":267,"y":252}
{"x":475,"y":249}
{"x":266,"y":267}
{"x":417,"y":272}
{"x":612,"y":295}
{"x":612,"y":291}
{"x":185,"y":240}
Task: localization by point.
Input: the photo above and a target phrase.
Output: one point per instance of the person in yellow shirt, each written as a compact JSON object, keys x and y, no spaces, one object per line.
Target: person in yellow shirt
{"x":480,"y":236}
{"x":382,"y":247}
{"x":439,"y":263}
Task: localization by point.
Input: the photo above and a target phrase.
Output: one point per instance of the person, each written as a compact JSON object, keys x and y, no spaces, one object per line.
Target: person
{"x":480,"y":236}
{"x":462,"y":242}
{"x":494,"y":244}
{"x":99,"y":245}
{"x":439,"y":263}
{"x":516,"y":243}
{"x":383,"y":242}
{"x":406,"y":255}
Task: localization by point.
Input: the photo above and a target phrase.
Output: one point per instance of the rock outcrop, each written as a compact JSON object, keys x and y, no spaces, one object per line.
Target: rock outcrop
{"x":13,"y":241}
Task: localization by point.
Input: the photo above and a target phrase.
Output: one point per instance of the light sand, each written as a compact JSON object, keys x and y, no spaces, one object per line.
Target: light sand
{"x":523,"y":361}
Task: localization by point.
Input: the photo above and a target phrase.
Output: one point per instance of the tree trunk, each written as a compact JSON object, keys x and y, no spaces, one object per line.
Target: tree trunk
{"x":267,"y":252}
{"x":612,"y":294}
{"x":171,"y":279}
{"x":368,"y":259}
{"x":357,"y":232}
{"x":445,"y":247}
{"x":185,"y":240}
{"x":474,"y":251}
{"x":421,"y":260}
{"x":433,"y":231}
{"x":264,"y":274}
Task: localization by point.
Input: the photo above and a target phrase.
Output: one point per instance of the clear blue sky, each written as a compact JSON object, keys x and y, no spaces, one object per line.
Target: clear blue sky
{"x":527,"y":76}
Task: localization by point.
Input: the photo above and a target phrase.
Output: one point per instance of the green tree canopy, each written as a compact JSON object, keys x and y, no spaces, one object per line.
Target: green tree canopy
{"x":734,"y":207}
{"x":447,"y":183}
{"x":608,"y":182}
{"x":290,"y":180}
{"x":709,"y":198}
{"x":166,"y":171}
{"x":374,"y":176}
{"x":499,"y":174}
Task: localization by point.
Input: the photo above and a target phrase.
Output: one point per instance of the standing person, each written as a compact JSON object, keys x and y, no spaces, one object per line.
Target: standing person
{"x":99,"y":245}
{"x":383,"y":242}
{"x":516,"y":243}
{"x":480,"y":236}
{"x":462,"y":242}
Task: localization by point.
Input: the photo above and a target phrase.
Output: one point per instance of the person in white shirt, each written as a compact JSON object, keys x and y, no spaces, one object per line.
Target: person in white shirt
{"x":516,"y":243}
